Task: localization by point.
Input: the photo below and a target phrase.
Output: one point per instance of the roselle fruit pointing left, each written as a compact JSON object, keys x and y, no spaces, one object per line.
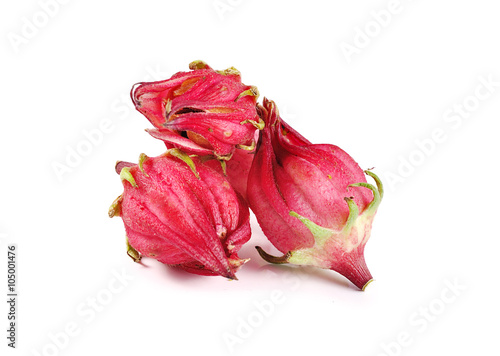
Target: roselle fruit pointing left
{"x":183,"y":213}
{"x":203,"y":112}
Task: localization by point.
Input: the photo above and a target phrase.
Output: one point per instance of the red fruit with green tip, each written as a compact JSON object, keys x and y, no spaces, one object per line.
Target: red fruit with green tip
{"x":311,"y":200}
{"x":183,"y":213}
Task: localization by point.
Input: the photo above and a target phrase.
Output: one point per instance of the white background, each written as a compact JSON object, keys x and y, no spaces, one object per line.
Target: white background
{"x":437,"y":226}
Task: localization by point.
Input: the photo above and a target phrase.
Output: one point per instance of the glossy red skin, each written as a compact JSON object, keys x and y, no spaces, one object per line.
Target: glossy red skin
{"x":291,"y":174}
{"x":196,"y":224}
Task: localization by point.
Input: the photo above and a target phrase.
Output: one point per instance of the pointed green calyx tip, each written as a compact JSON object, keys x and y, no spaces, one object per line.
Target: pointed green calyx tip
{"x":185,"y":158}
{"x":197,"y":65}
{"x":224,"y":157}
{"x":378,"y":192}
{"x":250,"y":147}
{"x":133,"y":253}
{"x":253,"y":91}
{"x":377,"y":180}
{"x":224,"y":167}
{"x":126,"y":175}
{"x":230,"y":71}
{"x":142,"y":159}
{"x":116,"y":207}
{"x":321,"y":234}
{"x":257,"y":124}
{"x":353,"y":215}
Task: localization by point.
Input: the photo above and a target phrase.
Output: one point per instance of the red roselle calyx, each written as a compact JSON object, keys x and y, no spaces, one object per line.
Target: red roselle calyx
{"x":183,"y":213}
{"x":202,"y":112}
{"x":312,"y":201}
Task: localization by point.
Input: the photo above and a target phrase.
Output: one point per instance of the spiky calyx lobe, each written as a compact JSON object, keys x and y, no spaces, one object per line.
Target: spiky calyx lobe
{"x":342,"y":250}
{"x":203,"y":111}
{"x":183,"y":213}
{"x":312,"y":201}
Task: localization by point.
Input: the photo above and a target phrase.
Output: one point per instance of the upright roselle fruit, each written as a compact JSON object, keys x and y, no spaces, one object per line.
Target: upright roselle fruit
{"x":183,"y":213}
{"x":312,"y":201}
{"x":203,"y":112}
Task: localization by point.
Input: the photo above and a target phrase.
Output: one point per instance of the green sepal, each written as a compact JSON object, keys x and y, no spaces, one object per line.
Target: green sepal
{"x":116,"y":207}
{"x":377,"y":180}
{"x":258,"y":125}
{"x":253,"y":91}
{"x":321,"y":234}
{"x":133,"y":253}
{"x":353,"y":215}
{"x":126,"y":175}
{"x":142,"y":159}
{"x":175,"y":152}
{"x":224,"y":167}
{"x":223,"y":157}
{"x":372,"y":207}
{"x":198,"y":64}
{"x":230,"y":71}
{"x":250,"y":147}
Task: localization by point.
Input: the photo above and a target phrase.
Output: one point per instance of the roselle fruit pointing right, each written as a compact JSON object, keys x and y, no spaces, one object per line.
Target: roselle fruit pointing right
{"x":312,"y":201}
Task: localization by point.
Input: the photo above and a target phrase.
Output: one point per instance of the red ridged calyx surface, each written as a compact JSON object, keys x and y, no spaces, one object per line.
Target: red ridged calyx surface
{"x":203,"y":111}
{"x":181,"y":212}
{"x":312,"y":201}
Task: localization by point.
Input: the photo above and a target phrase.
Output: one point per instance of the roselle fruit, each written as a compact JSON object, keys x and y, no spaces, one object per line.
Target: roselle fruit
{"x":181,"y":212}
{"x":202,"y":112}
{"x":312,"y":201}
